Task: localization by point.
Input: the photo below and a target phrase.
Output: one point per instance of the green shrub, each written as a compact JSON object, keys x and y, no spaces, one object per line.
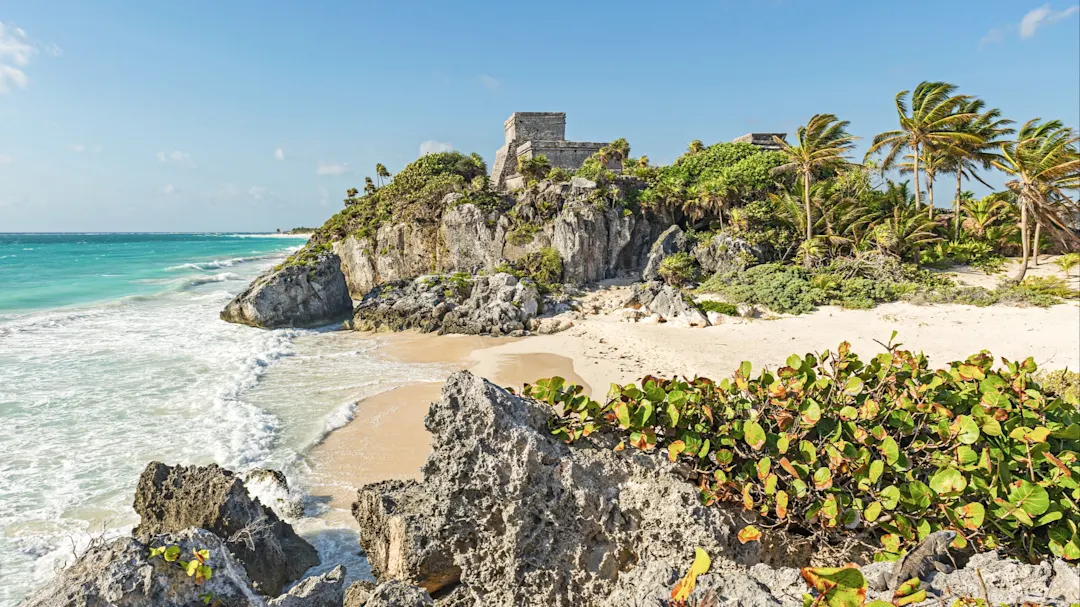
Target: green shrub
{"x":1068,"y":261}
{"x":721,"y":307}
{"x":783,"y":289}
{"x":1063,"y":383}
{"x":678,"y":269}
{"x":559,"y":175}
{"x":543,"y":267}
{"x":829,"y":443}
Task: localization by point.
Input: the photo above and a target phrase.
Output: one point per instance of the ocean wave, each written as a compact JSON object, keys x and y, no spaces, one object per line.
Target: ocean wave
{"x":216,"y":264}
{"x":189,"y":283}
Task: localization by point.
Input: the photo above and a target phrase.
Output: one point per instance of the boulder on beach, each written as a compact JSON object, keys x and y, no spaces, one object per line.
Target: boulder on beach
{"x":122,"y":574}
{"x":173,"y":498}
{"x":310,"y":294}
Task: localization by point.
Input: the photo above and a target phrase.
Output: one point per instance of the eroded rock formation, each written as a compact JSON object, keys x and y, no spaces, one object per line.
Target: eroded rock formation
{"x":294,"y":295}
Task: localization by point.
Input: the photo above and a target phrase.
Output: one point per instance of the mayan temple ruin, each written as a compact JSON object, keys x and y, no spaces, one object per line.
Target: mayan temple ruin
{"x":531,"y":134}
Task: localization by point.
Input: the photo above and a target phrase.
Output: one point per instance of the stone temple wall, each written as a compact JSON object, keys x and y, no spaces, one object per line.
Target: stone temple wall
{"x":764,"y":141}
{"x":530,"y":134}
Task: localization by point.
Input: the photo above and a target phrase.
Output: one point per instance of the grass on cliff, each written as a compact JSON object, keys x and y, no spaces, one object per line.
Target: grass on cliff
{"x":830,"y":445}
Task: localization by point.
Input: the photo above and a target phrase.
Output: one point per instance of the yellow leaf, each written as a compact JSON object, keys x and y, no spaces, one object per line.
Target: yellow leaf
{"x":685,"y":587}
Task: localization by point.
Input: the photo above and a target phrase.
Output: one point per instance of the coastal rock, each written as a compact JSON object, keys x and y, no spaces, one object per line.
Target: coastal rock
{"x":358,"y":593}
{"x":294,"y":295}
{"x":666,"y":301}
{"x":272,"y":489}
{"x":499,"y":304}
{"x":326,"y":590}
{"x":122,"y":574}
{"x":173,"y":498}
{"x":670,"y":241}
{"x":398,"y":594}
{"x":508,"y":515}
{"x":723,"y":253}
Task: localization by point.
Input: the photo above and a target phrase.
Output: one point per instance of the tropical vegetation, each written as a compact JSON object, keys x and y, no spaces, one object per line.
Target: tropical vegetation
{"x":889,"y":447}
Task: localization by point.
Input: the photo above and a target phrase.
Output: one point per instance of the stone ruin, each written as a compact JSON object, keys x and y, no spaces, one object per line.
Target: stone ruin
{"x":530,"y":134}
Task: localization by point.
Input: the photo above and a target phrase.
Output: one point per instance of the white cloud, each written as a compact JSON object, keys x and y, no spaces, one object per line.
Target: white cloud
{"x":77,"y":147}
{"x":12,"y":78}
{"x":15,"y":45}
{"x":434,"y":147}
{"x":332,"y":168}
{"x":168,"y":190}
{"x":6,"y":159}
{"x":490,"y":82}
{"x":176,"y":157}
{"x":1041,"y":16}
{"x":16,"y":50}
{"x":279,"y":154}
{"x":994,"y":36}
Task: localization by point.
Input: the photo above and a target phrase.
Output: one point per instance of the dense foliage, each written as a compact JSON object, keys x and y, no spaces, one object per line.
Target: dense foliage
{"x":829,"y":443}
{"x":543,"y":267}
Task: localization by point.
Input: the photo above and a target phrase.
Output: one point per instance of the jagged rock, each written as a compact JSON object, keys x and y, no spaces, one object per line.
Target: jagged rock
{"x":670,"y":242}
{"x":357,"y":594}
{"x":173,"y":498}
{"x":398,"y":594}
{"x":294,"y":295}
{"x":122,"y":574}
{"x":667,"y":302}
{"x":714,"y":317}
{"x":580,"y":183}
{"x":326,"y":590}
{"x":508,"y":515}
{"x":550,"y":325}
{"x":272,"y":489}
{"x":723,"y":253}
{"x":499,"y":304}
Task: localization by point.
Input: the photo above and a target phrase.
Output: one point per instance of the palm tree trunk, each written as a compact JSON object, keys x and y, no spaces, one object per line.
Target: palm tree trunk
{"x":930,"y":193}
{"x":915,"y":166}
{"x":956,"y":205}
{"x":1024,"y":240}
{"x":1035,"y":249}
{"x":806,"y":202}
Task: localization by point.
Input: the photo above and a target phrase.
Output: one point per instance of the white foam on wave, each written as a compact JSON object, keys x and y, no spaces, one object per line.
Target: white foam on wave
{"x":217,"y":264}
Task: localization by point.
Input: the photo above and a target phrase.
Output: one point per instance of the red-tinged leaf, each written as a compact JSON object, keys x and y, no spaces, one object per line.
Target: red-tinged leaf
{"x":1060,"y":464}
{"x":747,"y":499}
{"x":674,"y":449}
{"x":685,"y":586}
{"x":786,"y":465}
{"x":749,"y":533}
{"x":781,"y":504}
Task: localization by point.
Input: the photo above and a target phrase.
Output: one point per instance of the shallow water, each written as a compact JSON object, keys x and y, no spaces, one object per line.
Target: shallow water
{"x":112,"y":355}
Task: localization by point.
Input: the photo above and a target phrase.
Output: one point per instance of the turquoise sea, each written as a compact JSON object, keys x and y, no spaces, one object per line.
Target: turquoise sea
{"x":112,"y":355}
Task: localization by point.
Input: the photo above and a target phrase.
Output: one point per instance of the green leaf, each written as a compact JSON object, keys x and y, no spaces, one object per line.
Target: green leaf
{"x":837,"y":586}
{"x":853,"y":386}
{"x":744,"y":369}
{"x":872,"y":512}
{"x":890,"y":497}
{"x":822,"y":478}
{"x":754,"y":434}
{"x":966,"y":430}
{"x":622,"y":413}
{"x":917,"y":494}
{"x":890,"y":450}
{"x":876,"y":468}
{"x":971,"y":515}
{"x":172,"y":553}
{"x":948,"y":481}
{"x":1031,"y":498}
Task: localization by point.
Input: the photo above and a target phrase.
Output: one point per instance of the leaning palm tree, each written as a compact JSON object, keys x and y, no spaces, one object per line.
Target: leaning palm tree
{"x":822,"y":145}
{"x":904,"y":232}
{"x":929,"y":123}
{"x":1043,"y":162}
{"x":381,"y":173}
{"x":969,"y":155}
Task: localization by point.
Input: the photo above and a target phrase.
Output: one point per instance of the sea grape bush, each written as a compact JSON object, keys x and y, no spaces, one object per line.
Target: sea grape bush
{"x":829,"y":443}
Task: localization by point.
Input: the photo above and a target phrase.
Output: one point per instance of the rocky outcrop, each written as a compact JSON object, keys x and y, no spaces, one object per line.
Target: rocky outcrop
{"x":398,"y":594}
{"x":326,"y":590}
{"x":596,"y":240}
{"x":122,"y":574}
{"x":723,"y":253}
{"x":294,"y":295}
{"x":272,"y":489}
{"x":499,"y":304}
{"x":507,"y":515}
{"x":173,"y":498}
{"x":666,"y":303}
{"x":670,"y":242}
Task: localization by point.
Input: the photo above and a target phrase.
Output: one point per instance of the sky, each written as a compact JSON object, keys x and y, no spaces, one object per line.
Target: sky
{"x":251,"y":115}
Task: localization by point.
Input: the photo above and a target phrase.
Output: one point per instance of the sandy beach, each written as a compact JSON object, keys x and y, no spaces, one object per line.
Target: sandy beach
{"x":387,"y":439}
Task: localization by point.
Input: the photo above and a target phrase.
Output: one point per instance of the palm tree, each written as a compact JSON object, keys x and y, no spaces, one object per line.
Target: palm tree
{"x":381,"y":173}
{"x":695,"y":147}
{"x":823,"y":145}
{"x":931,"y":162}
{"x":929,"y":123}
{"x":904,"y":232}
{"x":990,"y":127}
{"x":369,"y":186}
{"x":1043,"y":162}
{"x":711,"y":197}
{"x":982,"y":213}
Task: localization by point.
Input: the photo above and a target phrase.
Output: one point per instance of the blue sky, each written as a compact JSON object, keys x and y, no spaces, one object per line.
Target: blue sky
{"x":255,"y":115}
